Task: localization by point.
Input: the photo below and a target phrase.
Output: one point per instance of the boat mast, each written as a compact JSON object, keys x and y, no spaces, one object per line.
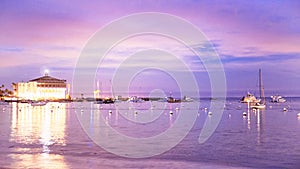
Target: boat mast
{"x":261,"y":87}
{"x":259,"y":82}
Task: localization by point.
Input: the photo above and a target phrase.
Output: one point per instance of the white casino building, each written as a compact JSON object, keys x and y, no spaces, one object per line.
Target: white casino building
{"x":42,"y":88}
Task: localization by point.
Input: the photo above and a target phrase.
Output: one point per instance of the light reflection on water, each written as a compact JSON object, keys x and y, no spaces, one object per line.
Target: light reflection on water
{"x":254,"y":121}
{"x":36,"y":129}
{"x":139,"y":122}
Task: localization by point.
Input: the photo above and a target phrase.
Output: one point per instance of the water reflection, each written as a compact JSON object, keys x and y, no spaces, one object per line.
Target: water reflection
{"x":255,"y":119}
{"x":130,"y":119}
{"x":34,"y":131}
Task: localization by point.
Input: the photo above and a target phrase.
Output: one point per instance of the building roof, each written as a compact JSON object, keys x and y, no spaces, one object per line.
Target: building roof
{"x":47,"y":79}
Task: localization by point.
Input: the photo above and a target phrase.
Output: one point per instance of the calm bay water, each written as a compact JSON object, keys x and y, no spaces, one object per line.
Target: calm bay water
{"x":51,"y":136}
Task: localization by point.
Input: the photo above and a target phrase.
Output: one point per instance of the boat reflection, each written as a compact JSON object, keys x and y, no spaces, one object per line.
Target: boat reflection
{"x":255,"y":120}
{"x":35,"y":130}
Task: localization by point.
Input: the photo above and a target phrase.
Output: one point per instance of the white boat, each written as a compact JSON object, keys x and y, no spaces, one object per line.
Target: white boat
{"x":39,"y":103}
{"x":187,"y":99}
{"x":135,"y":99}
{"x":250,"y":98}
{"x":277,"y":99}
{"x":258,"y":106}
{"x":262,"y":104}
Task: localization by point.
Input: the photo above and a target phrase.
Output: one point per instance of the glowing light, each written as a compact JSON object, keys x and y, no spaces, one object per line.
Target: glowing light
{"x":46,"y":72}
{"x":97,"y":94}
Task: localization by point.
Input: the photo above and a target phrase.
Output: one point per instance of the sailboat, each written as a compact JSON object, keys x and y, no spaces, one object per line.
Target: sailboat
{"x":262,"y":103}
{"x":249,"y":98}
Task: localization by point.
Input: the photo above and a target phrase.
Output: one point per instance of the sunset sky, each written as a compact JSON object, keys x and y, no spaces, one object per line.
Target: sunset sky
{"x":248,"y":35}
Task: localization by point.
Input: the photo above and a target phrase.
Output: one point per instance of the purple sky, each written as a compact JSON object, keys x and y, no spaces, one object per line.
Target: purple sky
{"x":248,"y":35}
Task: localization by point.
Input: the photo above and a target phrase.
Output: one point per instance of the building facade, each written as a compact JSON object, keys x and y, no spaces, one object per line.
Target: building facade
{"x":43,"y":88}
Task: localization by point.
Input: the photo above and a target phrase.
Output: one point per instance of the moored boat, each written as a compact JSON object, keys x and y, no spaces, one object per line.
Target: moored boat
{"x":172,"y":100}
{"x":38,"y":103}
{"x":258,"y":106}
{"x":277,"y":99}
{"x":135,"y":99}
{"x":108,"y":100}
{"x":250,"y":98}
{"x":187,"y":99}
{"x":262,"y":103}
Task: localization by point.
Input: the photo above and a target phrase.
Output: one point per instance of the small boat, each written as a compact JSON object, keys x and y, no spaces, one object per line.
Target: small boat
{"x":172,"y":100}
{"x":108,"y":101}
{"x":98,"y":101}
{"x":187,"y":99}
{"x":277,"y":99}
{"x":38,"y":103}
{"x":260,"y":105}
{"x":249,"y":98}
{"x":24,"y":101}
{"x":135,"y":99}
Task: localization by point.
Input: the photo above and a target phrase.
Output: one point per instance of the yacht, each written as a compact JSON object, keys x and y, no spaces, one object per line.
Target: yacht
{"x":277,"y":99}
{"x":187,"y":99}
{"x":262,"y":103}
{"x":250,"y":98}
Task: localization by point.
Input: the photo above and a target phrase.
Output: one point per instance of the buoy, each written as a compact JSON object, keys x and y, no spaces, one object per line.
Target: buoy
{"x":110,"y":112}
{"x":171,"y":112}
